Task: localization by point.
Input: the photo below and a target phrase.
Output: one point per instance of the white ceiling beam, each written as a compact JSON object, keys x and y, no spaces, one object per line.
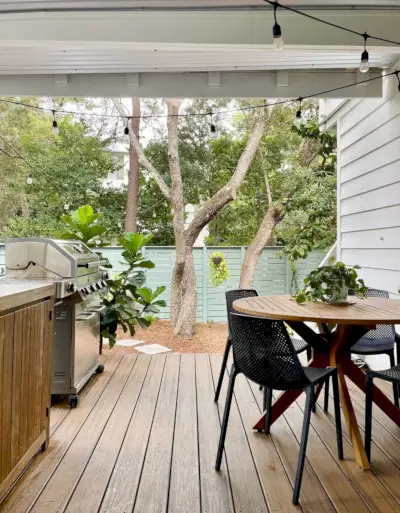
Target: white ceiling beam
{"x":199,"y":27}
{"x":237,"y":84}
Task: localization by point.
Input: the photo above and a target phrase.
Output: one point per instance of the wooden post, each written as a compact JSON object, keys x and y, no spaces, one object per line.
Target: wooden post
{"x":205,"y":284}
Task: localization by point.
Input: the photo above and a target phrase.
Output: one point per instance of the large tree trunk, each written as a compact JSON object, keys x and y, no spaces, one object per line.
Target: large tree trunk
{"x":274,"y":215}
{"x":183,"y":283}
{"x":132,"y":199}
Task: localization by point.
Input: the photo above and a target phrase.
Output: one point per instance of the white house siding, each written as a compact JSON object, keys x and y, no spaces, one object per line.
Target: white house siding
{"x":369,"y":187}
{"x":369,"y":190}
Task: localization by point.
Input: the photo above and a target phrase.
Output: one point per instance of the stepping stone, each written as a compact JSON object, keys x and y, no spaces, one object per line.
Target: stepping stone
{"x":153,"y":349}
{"x":129,"y":342}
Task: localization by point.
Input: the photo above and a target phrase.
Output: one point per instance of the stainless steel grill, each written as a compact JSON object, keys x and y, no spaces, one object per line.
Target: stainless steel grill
{"x":75,"y":269}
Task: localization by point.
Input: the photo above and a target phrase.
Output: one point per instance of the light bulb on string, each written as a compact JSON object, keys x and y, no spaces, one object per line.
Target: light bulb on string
{"x":126,"y":131}
{"x":54,"y":127}
{"x":213,"y":128}
{"x":277,"y":32}
{"x":299,"y":121}
{"x":29,"y":179}
{"x":364,"y":64}
{"x":398,"y":79}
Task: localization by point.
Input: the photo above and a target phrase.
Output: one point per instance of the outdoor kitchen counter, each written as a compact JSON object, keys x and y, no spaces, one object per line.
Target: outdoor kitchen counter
{"x":16,"y":293}
{"x":26,"y":336}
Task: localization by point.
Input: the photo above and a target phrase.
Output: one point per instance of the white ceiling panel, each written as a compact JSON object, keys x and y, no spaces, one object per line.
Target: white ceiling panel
{"x":106,"y":58}
{"x":21,"y":5}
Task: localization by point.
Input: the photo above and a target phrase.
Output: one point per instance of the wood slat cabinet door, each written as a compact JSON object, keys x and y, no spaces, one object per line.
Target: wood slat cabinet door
{"x":25,"y":379}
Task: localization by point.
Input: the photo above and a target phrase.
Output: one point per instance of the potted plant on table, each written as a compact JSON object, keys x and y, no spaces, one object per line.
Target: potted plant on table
{"x":331,"y":284}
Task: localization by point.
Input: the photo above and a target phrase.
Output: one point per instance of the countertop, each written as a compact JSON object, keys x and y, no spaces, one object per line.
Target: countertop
{"x":16,"y":293}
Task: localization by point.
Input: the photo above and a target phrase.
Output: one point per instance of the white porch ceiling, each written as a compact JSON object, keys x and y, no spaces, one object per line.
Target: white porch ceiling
{"x":163,"y":46}
{"x":113,"y":58}
{"x":20,"y":5}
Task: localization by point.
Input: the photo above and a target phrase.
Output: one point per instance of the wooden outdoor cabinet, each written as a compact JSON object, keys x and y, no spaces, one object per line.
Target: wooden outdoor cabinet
{"x":26,"y":335}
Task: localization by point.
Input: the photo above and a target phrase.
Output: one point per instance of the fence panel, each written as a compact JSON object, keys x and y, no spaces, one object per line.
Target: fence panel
{"x":273,"y":274}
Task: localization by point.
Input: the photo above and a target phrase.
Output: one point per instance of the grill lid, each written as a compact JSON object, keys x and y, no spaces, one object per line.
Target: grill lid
{"x":39,"y":257}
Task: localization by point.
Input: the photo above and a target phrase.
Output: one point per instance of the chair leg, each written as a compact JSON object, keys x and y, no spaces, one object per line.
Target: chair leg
{"x":368,"y":414}
{"x":303,"y":444}
{"x":222,"y":371}
{"x":336,"y":400}
{"x":395,"y":386}
{"x":226,"y":417}
{"x":267,"y":403}
{"x":309,"y":353}
{"x":326,"y":396}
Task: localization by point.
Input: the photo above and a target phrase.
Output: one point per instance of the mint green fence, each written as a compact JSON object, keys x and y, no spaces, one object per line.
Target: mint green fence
{"x":273,"y":275}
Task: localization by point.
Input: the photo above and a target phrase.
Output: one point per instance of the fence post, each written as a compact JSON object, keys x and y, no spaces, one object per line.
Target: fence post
{"x":205,"y":284}
{"x":288,"y":276}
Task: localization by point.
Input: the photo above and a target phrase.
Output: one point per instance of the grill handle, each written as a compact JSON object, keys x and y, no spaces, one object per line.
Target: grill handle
{"x":86,"y":316}
{"x":97,"y":263}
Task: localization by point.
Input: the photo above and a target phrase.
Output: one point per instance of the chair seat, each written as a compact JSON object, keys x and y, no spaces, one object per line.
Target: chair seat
{"x":392,"y":374}
{"x":299,"y":344}
{"x":316,"y":375}
{"x":367,"y":346}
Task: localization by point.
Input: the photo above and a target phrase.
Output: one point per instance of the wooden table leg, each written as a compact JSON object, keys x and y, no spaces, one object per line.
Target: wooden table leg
{"x":338,"y":359}
{"x":285,"y":399}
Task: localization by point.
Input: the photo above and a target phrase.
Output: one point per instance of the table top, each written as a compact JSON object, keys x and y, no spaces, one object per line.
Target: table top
{"x":364,"y":312}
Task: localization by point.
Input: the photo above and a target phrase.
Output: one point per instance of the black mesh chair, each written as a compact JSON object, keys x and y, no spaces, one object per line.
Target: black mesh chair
{"x":393,"y":376}
{"x":231,"y":296}
{"x":264,"y":353}
{"x":382,"y":340}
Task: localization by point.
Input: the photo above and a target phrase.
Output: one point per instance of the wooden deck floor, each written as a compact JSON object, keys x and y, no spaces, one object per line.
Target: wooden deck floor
{"x":144,"y":439}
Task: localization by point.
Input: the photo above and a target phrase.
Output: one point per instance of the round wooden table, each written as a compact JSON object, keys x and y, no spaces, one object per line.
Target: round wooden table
{"x":330,"y":348}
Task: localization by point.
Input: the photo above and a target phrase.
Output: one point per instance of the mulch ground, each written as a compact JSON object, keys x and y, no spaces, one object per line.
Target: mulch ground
{"x":208,"y":338}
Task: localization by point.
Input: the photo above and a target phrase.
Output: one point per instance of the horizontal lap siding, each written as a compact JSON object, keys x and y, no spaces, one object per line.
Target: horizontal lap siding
{"x":370,"y":190}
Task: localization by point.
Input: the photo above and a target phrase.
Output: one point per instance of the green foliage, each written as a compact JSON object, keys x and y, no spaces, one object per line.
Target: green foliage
{"x":128,"y":303}
{"x":331,"y":283}
{"x":219,"y":268}
{"x":68,"y":170}
{"x":83,"y":224}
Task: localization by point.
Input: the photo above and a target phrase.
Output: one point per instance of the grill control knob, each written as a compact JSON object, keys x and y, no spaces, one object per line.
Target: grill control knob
{"x":71,"y":287}
{"x":98,"y":286}
{"x":92,"y":288}
{"x":105,"y":275}
{"x":86,"y":290}
{"x":104,"y":284}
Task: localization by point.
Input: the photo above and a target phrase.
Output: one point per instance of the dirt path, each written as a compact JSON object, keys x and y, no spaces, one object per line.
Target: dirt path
{"x":208,"y":338}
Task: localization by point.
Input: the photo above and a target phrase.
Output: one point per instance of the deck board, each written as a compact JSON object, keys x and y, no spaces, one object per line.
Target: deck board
{"x":144,"y":439}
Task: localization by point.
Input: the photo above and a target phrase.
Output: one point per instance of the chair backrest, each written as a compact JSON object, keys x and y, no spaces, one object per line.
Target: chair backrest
{"x":382,"y":330}
{"x":263,"y":351}
{"x":233,"y":295}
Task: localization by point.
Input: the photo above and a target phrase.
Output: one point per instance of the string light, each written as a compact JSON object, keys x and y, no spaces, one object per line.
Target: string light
{"x":126,"y":131}
{"x":364,"y":64}
{"x":29,"y":179}
{"x":277,"y":32}
{"x":213,"y":128}
{"x":299,"y":121}
{"x":55,"y":128}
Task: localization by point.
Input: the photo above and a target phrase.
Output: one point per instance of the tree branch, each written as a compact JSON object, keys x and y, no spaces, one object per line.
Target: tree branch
{"x":175,"y":171}
{"x":142,"y":157}
{"x":228,"y":193}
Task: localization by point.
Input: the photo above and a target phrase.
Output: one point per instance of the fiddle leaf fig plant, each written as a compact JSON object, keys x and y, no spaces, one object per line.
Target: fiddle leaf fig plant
{"x":85,"y":225}
{"x":128,"y":302}
{"x":219,"y":268}
{"x":331,"y":283}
